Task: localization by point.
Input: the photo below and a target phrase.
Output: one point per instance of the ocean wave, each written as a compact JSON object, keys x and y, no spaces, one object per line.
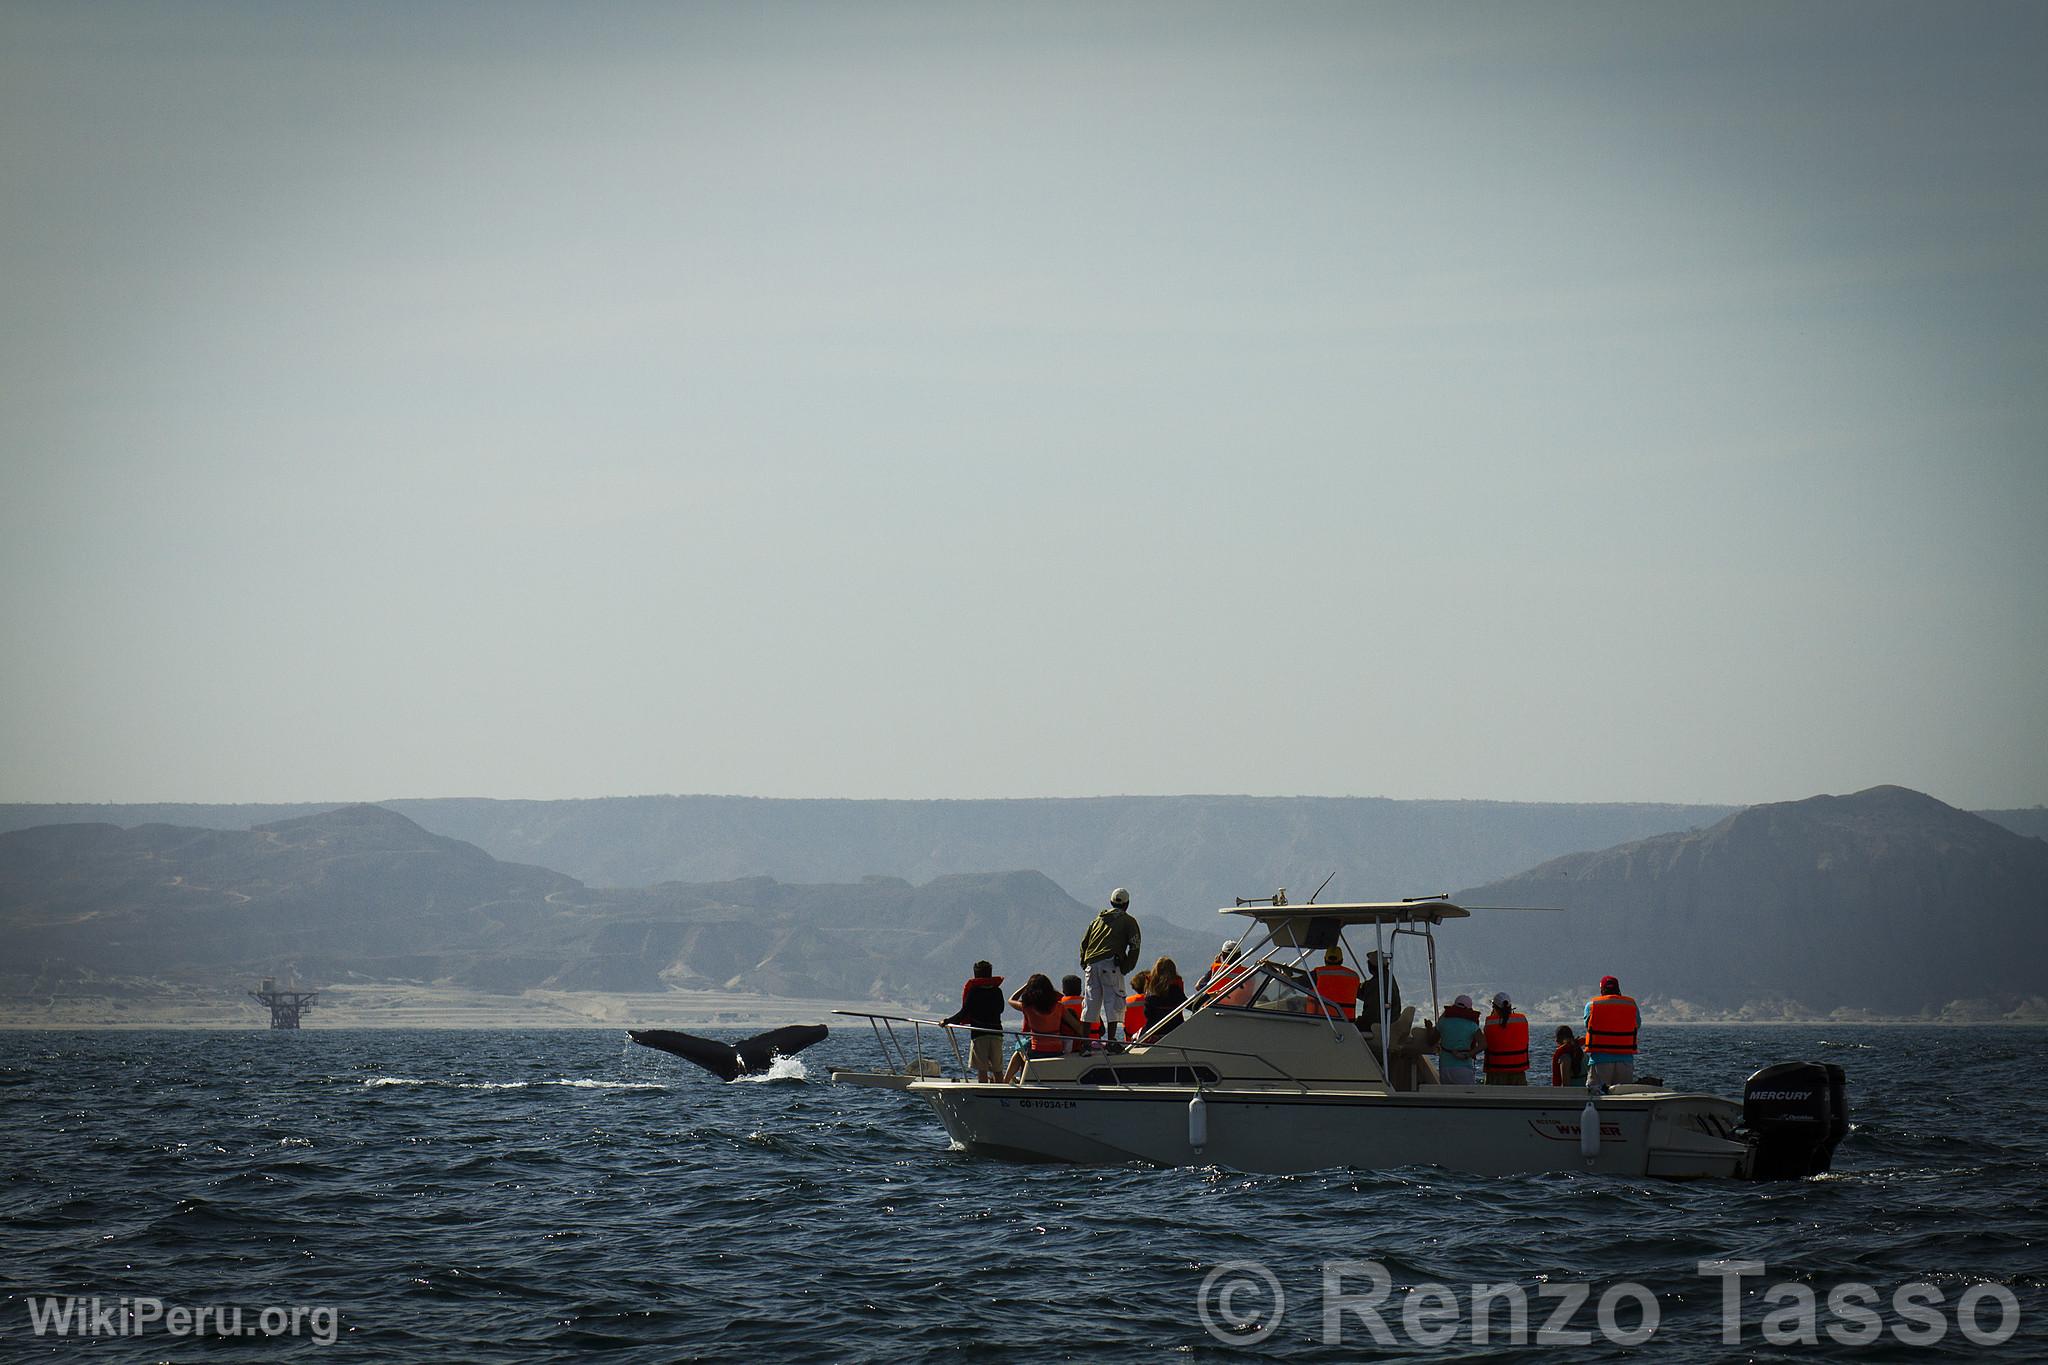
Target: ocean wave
{"x":579,"y":1083}
{"x":491,"y":1196}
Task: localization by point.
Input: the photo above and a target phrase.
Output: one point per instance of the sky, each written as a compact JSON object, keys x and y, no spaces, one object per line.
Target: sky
{"x":1561,"y":402}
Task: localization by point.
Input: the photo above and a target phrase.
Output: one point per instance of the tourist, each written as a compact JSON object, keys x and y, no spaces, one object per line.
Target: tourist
{"x":1109,"y":948}
{"x":1048,"y":1024}
{"x":981,"y":1008}
{"x":1458,"y":1042}
{"x":1336,"y":986}
{"x":1164,"y":993}
{"x":1506,"y":1044}
{"x":1568,"y":1062}
{"x":1378,"y":971}
{"x":1613,"y":1023}
{"x":1134,"y":1006}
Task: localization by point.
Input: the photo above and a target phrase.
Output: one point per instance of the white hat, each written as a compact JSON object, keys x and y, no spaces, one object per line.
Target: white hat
{"x":1464,"y":1000}
{"x":1501,"y":998}
{"x":1229,"y":946}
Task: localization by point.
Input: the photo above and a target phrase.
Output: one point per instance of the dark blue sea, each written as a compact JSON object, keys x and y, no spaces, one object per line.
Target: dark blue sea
{"x":474,"y":1196}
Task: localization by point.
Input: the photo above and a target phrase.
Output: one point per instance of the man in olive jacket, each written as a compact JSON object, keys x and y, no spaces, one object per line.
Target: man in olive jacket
{"x":1109,"y":948}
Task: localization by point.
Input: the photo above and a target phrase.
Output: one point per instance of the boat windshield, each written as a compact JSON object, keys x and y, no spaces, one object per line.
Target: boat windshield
{"x":1281,"y":987}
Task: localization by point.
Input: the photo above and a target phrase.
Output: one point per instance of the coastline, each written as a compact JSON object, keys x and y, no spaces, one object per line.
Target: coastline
{"x":399,"y":1005}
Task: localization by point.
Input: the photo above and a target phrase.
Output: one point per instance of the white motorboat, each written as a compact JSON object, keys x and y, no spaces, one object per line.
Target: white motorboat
{"x":1260,"y":1078}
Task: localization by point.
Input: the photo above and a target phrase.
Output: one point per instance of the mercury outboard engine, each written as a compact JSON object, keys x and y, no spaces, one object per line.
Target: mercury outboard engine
{"x":1794,"y":1113}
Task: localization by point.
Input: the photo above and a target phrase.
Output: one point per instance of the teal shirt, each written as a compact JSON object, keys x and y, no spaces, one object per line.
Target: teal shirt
{"x":1456,"y":1034}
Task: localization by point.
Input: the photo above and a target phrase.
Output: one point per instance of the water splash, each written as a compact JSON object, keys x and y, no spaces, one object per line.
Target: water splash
{"x":782,"y":1071}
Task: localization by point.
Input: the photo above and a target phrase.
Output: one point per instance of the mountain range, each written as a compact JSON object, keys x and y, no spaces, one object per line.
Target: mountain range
{"x":1181,"y":856}
{"x":1885,"y":901}
{"x":365,"y":893}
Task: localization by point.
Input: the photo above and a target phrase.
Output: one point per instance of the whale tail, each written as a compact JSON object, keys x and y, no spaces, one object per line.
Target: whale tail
{"x":729,"y":1061}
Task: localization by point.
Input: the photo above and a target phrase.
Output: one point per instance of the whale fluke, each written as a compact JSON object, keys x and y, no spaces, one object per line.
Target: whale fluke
{"x":728,"y":1061}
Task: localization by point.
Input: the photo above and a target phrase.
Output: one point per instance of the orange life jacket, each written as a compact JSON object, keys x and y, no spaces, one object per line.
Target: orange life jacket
{"x":1611,"y":1024}
{"x":1223,"y":978}
{"x":1338,"y":987}
{"x":1507,"y":1043}
{"x":1073,"y":1002}
{"x":1044,"y":1028}
{"x":1240,"y":984}
{"x":1134,"y":1015}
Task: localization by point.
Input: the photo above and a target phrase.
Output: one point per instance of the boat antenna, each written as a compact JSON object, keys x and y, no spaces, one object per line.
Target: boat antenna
{"x":1553,"y":909}
{"x":1319,"y":890}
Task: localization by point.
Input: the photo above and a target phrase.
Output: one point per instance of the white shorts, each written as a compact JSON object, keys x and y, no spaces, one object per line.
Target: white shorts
{"x":1103,"y":996}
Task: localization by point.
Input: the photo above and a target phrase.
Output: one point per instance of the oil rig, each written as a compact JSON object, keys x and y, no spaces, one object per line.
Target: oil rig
{"x":285,"y":1005}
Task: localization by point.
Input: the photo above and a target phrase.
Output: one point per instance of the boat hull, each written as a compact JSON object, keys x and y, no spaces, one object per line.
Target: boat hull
{"x":1484,"y":1132}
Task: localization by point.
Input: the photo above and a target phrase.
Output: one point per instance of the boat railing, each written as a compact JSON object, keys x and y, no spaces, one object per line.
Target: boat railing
{"x":900,"y":1058}
{"x":907,"y":1059}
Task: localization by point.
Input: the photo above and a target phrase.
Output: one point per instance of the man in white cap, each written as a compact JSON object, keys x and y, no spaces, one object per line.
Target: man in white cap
{"x":1109,"y":948}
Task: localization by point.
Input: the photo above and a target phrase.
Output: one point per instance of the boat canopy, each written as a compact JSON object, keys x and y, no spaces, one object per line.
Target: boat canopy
{"x":1317,"y":926}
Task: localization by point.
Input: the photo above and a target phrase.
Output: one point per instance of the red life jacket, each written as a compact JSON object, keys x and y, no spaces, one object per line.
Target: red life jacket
{"x":1611,"y":1025}
{"x":1507,"y":1044}
{"x":1338,"y":987}
{"x":1044,"y":1028}
{"x":1134,"y":1015}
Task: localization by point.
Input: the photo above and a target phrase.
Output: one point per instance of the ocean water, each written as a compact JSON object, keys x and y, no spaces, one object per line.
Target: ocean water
{"x":497,"y":1195}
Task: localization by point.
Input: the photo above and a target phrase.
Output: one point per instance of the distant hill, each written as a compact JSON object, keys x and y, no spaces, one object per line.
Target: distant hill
{"x":2031,"y":821}
{"x":1181,"y":856}
{"x":1887,"y":900}
{"x":363,"y":892}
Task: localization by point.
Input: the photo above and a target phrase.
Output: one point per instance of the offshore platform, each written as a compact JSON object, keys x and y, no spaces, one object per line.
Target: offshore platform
{"x":285,"y":1005}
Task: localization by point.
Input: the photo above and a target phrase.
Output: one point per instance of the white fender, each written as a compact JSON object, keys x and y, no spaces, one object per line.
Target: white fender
{"x":1198,"y":1123}
{"x":1589,"y":1131}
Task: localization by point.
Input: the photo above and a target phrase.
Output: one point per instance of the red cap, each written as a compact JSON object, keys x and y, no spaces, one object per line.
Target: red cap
{"x":1610,"y":986}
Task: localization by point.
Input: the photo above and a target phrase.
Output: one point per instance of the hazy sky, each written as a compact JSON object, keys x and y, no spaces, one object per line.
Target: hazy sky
{"x":1545,"y":402}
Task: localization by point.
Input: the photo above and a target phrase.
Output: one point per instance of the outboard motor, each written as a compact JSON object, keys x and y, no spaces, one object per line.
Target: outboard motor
{"x":1794,"y":1113}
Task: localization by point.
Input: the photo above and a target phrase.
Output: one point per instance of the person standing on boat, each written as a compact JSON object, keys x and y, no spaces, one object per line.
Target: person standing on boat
{"x":1458,"y":1041}
{"x":1109,"y":948}
{"x":1507,"y":1043}
{"x":981,"y":1008}
{"x":1613,"y":1022}
{"x":1379,"y":976}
